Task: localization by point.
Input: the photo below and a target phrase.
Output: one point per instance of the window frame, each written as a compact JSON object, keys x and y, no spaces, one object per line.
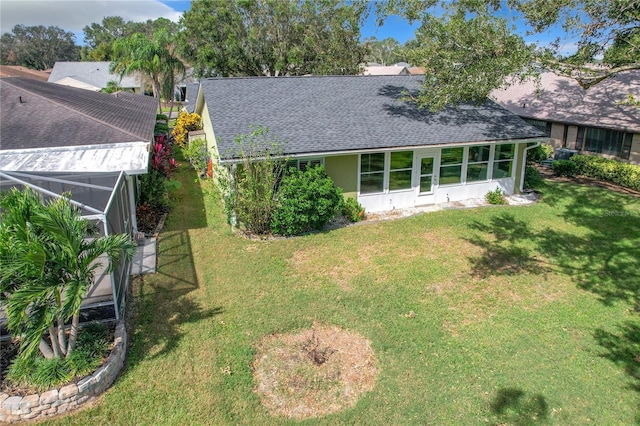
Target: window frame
{"x":451,"y":165}
{"x":497,"y":160}
{"x":403,"y":169}
{"x":368,"y":173}
{"x":485,"y":162}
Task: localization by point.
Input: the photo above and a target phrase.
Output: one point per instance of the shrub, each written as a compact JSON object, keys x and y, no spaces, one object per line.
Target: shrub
{"x":248,"y":189}
{"x":306,"y":200}
{"x":352,"y":209}
{"x":162,"y":117}
{"x":531,"y":177}
{"x":495,"y":197}
{"x":623,"y":174}
{"x":539,"y":154}
{"x":198,"y":155}
{"x":564,"y":168}
{"x":184,"y":124}
{"x":161,"y":129}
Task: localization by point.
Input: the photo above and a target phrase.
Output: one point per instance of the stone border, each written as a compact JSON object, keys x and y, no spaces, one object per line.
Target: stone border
{"x":14,"y":409}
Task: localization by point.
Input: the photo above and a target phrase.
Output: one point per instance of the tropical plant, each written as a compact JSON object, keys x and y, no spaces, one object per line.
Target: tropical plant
{"x":48,"y":259}
{"x":186,"y":122}
{"x":198,"y":155}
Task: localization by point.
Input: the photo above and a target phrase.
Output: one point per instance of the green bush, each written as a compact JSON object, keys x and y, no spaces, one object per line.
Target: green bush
{"x":495,"y":197}
{"x":306,"y":200}
{"x":198,"y":155}
{"x":538,"y":154}
{"x":353,"y":210}
{"x":532,"y":177}
{"x":162,"y":117}
{"x":161,"y":129}
{"x":623,"y":174}
{"x":564,"y":168}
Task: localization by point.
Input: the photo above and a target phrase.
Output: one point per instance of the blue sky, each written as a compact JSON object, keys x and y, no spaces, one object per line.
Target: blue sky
{"x":74,"y":15}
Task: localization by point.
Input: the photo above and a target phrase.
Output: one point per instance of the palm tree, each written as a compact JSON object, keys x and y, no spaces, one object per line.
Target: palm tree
{"x":45,"y":277}
{"x":154,"y":58}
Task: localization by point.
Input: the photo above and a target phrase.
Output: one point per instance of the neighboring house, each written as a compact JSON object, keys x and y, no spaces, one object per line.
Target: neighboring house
{"x":378,"y":148}
{"x":190,"y":96}
{"x":385,"y":70}
{"x":91,"y":76}
{"x":590,"y":121}
{"x":58,"y":139}
{"x":416,"y":70}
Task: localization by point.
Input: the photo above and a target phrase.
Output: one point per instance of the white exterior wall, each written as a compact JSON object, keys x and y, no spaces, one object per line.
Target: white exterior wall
{"x":390,"y":200}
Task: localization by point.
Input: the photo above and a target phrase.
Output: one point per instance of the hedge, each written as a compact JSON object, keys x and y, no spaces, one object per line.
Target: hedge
{"x":623,"y":174}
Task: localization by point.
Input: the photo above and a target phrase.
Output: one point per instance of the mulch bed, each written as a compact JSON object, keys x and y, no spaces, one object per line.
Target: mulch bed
{"x":547,"y":173}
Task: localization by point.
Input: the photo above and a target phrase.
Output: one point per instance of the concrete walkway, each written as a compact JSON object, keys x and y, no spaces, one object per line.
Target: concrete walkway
{"x":144,"y":260}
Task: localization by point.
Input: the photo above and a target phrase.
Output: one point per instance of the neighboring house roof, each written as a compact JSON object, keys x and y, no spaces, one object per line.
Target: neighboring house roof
{"x":95,"y":74}
{"x":49,"y":127}
{"x":561,"y":99}
{"x":316,"y":115}
{"x":416,"y":70}
{"x":191,"y":96}
{"x":385,"y":70}
{"x":18,"y":71}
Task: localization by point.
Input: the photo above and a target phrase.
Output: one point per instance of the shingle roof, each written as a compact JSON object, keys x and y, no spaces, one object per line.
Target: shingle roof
{"x":94,"y":73}
{"x":347,"y":113}
{"x":36,"y":114}
{"x":561,"y":99}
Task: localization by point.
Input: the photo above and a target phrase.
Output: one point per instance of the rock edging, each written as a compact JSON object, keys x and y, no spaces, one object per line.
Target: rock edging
{"x":56,"y":401}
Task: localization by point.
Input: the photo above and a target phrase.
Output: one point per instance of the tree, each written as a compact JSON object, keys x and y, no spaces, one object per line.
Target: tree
{"x":469,"y":47}
{"x":48,"y":259}
{"x":37,"y":47}
{"x":153,"y":57}
{"x":273,"y":37}
{"x":384,"y":52}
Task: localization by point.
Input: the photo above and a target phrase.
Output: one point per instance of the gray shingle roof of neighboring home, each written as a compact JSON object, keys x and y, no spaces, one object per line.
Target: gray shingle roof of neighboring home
{"x":37,"y":114}
{"x":94,"y":73}
{"x":561,"y":99}
{"x":347,"y":113}
{"x":191,"y":96}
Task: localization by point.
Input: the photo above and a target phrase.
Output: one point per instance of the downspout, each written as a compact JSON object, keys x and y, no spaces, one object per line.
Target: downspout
{"x":132,"y":205}
{"x":524,"y":164}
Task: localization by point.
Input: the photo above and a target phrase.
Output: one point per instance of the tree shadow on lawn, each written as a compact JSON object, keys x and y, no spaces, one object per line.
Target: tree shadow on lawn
{"x":600,"y":252}
{"x":514,"y":407}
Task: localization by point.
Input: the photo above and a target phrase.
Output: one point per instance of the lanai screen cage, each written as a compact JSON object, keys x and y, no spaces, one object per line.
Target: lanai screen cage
{"x":108,"y":200}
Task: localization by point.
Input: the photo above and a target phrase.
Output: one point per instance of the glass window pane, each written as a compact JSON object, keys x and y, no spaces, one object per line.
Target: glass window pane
{"x":372,"y":162}
{"x":502,"y":169}
{"x":450,"y":174}
{"x":451,"y":156}
{"x":479,"y":153}
{"x":425,"y":184}
{"x":476,"y":172}
{"x":371,"y":183}
{"x":426,"y":166}
{"x":504,"y":152}
{"x":400,"y":180}
{"x":401,"y":160}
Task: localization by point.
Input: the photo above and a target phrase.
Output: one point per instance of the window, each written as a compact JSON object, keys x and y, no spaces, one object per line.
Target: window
{"x":400,"y":170}
{"x":604,"y":141}
{"x":503,"y":160}
{"x":478,"y":163}
{"x":543,"y":126}
{"x":371,"y":173}
{"x":304,"y":163}
{"x":451,"y":165}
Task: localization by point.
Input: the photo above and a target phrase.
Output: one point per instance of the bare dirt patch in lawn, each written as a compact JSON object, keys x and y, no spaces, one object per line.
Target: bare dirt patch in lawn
{"x":313,"y":373}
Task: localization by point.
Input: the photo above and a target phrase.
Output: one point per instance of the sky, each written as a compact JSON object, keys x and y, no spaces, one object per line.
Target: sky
{"x":74,"y":15}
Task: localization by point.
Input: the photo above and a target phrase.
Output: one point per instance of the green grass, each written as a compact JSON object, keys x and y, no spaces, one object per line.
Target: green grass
{"x":521,"y":315}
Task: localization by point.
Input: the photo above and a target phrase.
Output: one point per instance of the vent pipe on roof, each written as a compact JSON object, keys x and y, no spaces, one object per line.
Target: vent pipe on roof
{"x":20,"y":99}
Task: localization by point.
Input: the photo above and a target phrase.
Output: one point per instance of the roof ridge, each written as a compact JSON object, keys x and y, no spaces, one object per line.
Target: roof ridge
{"x":73,"y":109}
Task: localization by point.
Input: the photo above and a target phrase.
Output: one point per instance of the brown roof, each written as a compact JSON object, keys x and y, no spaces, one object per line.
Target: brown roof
{"x":18,"y":71}
{"x":36,"y":114}
{"x":561,"y":99}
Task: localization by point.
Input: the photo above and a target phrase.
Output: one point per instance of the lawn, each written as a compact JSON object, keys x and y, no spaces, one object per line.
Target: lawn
{"x":495,"y":315}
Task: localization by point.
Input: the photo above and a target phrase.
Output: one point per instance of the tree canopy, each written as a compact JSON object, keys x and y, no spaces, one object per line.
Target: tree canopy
{"x":37,"y":47}
{"x":273,"y":37}
{"x":384,"y":52}
{"x":470,"y":47}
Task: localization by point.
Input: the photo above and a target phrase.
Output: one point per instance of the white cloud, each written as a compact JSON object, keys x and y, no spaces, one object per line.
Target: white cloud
{"x":74,"y":15}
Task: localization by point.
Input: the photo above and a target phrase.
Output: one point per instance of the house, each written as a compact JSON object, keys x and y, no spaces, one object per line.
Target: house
{"x":19,"y":71}
{"x":92,"y":76}
{"x":593,"y":121}
{"x":58,"y":139}
{"x":375,"y":145}
{"x":385,"y":70}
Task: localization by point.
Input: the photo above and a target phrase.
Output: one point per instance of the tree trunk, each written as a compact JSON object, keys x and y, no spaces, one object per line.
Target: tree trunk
{"x":45,"y":349}
{"x":62,"y":340}
{"x":54,"y":341}
{"x":73,"y":334}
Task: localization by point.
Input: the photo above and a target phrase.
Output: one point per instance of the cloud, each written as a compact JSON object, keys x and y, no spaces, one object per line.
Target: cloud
{"x":74,"y":15}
